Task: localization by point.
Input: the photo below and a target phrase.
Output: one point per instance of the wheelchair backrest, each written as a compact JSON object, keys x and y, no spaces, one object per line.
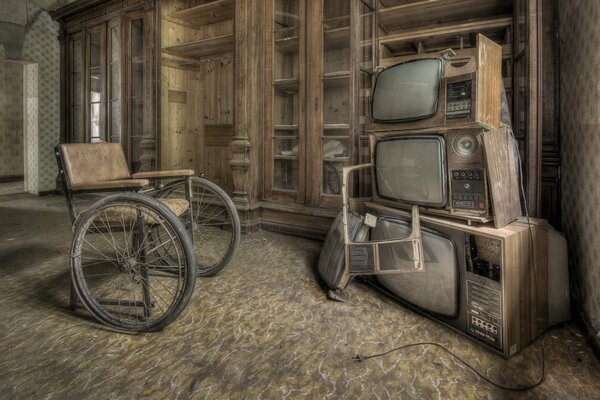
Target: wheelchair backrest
{"x":85,"y":163}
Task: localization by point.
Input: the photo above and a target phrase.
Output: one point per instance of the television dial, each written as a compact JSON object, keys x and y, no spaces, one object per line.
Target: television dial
{"x":465,"y":144}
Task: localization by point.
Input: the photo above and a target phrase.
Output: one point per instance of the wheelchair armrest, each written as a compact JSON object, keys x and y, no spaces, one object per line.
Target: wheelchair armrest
{"x":176,"y":173}
{"x":112,"y":184}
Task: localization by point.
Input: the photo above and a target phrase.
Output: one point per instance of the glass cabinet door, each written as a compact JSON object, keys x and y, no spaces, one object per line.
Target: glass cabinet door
{"x":365,"y":79}
{"x":285,"y":91}
{"x":75,"y":91}
{"x":335,"y":140}
{"x":347,"y":70}
{"x":96,"y":48}
{"x":114,"y":82}
{"x":136,"y":89}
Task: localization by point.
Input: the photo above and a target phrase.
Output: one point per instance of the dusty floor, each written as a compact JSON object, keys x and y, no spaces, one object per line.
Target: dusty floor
{"x":263,"y":329}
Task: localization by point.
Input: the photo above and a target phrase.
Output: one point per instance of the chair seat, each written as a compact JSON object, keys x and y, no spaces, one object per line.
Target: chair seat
{"x":119,"y":215}
{"x":178,"y":206}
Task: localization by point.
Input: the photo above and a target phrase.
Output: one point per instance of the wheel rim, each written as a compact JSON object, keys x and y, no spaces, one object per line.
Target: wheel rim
{"x":119,"y":270}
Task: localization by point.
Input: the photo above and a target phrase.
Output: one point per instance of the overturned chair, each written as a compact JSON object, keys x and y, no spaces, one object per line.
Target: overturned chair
{"x":136,"y":252}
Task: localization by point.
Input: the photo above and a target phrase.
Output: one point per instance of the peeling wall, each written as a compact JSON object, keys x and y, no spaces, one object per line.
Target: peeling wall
{"x":580,"y":147}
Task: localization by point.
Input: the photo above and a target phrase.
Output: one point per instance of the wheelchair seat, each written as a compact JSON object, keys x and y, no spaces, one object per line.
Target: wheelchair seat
{"x":97,"y":167}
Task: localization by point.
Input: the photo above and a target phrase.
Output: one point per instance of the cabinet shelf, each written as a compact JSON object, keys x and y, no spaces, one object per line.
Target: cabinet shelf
{"x":292,"y":127}
{"x":205,"y":14}
{"x":336,"y":126}
{"x":335,"y":137}
{"x":287,"y":84}
{"x":336,"y":79}
{"x":287,"y":45}
{"x":444,"y":36}
{"x":202,"y":48}
{"x":336,"y":38}
{"x":342,"y":21}
{"x":282,"y":157}
{"x":286,"y":137}
{"x":431,"y":12}
{"x":336,"y":159}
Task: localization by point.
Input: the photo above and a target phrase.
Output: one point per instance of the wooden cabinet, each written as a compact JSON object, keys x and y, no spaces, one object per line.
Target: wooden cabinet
{"x":197,"y":87}
{"x":269,"y":97}
{"x":320,"y":61}
{"x":109,"y":76}
{"x":318,"y":54}
{"x":406,"y":28}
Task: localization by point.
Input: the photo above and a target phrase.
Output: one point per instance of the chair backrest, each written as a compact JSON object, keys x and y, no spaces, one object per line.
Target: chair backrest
{"x":86,"y":163}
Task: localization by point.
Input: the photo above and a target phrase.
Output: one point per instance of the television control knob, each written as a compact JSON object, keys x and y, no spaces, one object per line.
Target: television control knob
{"x":467,"y":186}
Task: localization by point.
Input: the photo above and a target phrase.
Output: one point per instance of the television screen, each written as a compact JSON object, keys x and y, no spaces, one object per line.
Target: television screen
{"x":435,"y":289}
{"x":407,"y":91}
{"x":412,"y":169}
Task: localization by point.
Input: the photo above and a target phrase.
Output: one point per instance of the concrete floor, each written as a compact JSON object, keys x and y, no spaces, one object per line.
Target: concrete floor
{"x":263,"y":328}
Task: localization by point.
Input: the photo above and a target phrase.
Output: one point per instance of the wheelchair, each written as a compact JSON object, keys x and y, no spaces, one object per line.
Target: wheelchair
{"x":136,"y":252}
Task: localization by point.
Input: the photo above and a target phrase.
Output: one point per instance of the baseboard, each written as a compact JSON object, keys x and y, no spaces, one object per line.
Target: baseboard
{"x":11,"y":178}
{"x":49,"y":193}
{"x":286,"y":229}
{"x":582,"y":320}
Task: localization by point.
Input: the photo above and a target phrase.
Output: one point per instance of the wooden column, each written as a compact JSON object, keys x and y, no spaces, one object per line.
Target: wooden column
{"x":245,"y":147}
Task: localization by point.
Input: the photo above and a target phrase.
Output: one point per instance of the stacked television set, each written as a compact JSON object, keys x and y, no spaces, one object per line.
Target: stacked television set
{"x":442,"y":231}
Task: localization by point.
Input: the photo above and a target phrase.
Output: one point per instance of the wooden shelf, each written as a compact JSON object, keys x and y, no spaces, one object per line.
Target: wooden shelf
{"x":287,"y":45}
{"x":282,"y":157}
{"x":171,"y":61}
{"x":336,"y":38}
{"x":342,"y":21}
{"x":202,"y":48}
{"x":337,"y":159}
{"x":446,"y":35}
{"x":336,"y":126}
{"x":284,"y":137}
{"x":421,"y":13}
{"x":293,"y":127}
{"x":336,"y":79}
{"x":287,"y":84}
{"x":205,"y":14}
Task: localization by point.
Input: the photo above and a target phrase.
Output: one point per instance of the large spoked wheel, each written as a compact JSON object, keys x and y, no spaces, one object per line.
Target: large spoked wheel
{"x":118,"y":269}
{"x":215,"y":224}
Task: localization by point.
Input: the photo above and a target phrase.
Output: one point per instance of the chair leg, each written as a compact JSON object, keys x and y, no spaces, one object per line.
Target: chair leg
{"x":138,"y":239}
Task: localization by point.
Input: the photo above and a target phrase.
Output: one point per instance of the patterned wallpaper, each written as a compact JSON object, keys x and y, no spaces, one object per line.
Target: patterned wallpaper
{"x":580,"y":146}
{"x":41,"y":46}
{"x":11,"y":118}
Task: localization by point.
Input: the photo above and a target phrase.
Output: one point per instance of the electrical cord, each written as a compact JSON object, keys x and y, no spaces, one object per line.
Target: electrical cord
{"x":361,"y":358}
{"x":522,"y":388}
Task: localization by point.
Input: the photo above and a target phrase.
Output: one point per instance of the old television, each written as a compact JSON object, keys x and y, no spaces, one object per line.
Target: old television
{"x":476,"y":279}
{"x":431,"y":89}
{"x":467,"y":173}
